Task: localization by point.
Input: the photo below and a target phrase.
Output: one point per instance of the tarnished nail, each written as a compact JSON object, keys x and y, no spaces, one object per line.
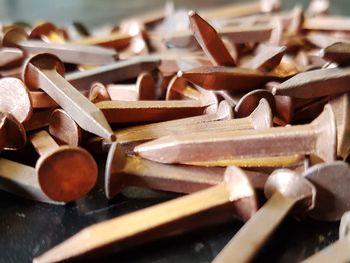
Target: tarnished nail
{"x":21,"y":180}
{"x":235,"y":196}
{"x":210,"y":42}
{"x":65,"y":173}
{"x":45,"y":71}
{"x":315,"y":83}
{"x":64,"y":129}
{"x":285,"y":190}
{"x":318,"y":137}
{"x":70,"y":53}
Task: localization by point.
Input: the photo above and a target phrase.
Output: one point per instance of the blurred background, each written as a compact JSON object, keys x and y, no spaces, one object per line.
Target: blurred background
{"x":98,"y":12}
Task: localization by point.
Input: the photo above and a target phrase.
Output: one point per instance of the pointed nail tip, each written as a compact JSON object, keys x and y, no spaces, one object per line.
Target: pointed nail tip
{"x":191,"y":13}
{"x":180,"y":73}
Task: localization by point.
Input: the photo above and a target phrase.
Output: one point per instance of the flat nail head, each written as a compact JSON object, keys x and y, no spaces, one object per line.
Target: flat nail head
{"x":67,"y":174}
{"x":42,"y":61}
{"x":14,"y":93}
{"x":13,"y":132}
{"x":64,"y":129}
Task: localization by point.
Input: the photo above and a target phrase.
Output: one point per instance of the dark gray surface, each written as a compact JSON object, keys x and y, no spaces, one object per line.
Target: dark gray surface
{"x":28,"y":229}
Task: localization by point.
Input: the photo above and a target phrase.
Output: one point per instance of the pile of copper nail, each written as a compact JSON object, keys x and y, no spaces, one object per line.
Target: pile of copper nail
{"x":236,"y":107}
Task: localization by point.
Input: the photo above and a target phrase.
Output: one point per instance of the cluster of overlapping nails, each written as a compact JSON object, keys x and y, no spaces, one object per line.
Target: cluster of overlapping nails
{"x":237,"y":86}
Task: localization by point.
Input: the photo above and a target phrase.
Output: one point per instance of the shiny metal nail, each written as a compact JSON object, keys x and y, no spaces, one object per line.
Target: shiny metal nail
{"x":45,"y":71}
{"x":235,"y":196}
{"x":65,"y":173}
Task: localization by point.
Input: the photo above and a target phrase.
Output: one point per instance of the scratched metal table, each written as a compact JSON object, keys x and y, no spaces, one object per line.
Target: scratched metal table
{"x":28,"y":229}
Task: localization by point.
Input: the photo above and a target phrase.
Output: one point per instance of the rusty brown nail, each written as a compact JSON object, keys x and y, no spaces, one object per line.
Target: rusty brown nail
{"x":266,"y":59}
{"x":221,"y":78}
{"x":339,"y":250}
{"x":318,"y":137}
{"x":144,"y":89}
{"x":234,"y":194}
{"x":78,"y":54}
{"x":247,"y":103}
{"x":15,"y":99}
{"x":315,"y":83}
{"x":65,"y":173}
{"x":210,"y":42}
{"x":153,"y":111}
{"x":10,"y":57}
{"x":285,"y":190}
{"x":122,"y":171}
{"x":45,"y":71}
{"x":64,"y":129}
{"x":115,"y":72}
{"x":341,"y":108}
{"x":21,"y":180}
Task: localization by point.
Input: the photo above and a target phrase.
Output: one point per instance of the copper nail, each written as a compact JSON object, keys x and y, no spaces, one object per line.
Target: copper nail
{"x":266,"y":59}
{"x":45,"y":71}
{"x":15,"y":99}
{"x":21,"y":180}
{"x":337,"y":52}
{"x":10,"y":57}
{"x":65,"y":173}
{"x":116,"y":72}
{"x":234,"y":196}
{"x":180,"y":88}
{"x":318,"y":137}
{"x":341,"y":108}
{"x":143,"y":89}
{"x":12,"y":133}
{"x":116,"y":40}
{"x":153,"y":111}
{"x":247,"y":103}
{"x":155,"y":130}
{"x":332,"y":199}
{"x":66,"y":52}
{"x":38,"y":120}
{"x":122,"y":171}
{"x":64,"y":129}
{"x":221,"y":78}
{"x":42,"y":100}
{"x":285,"y":190}
{"x":315,"y":83}
{"x":210,"y":42}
